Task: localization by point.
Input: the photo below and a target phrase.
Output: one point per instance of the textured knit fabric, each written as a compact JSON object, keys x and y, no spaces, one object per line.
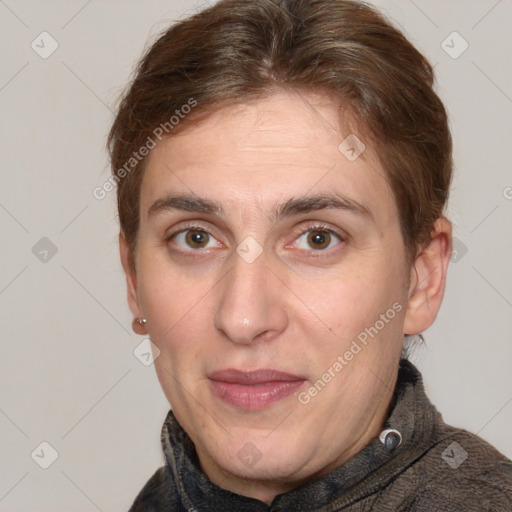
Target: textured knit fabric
{"x":437,"y":468}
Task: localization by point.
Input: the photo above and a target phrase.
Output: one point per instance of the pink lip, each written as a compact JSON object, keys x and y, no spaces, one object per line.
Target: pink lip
{"x":253,"y":389}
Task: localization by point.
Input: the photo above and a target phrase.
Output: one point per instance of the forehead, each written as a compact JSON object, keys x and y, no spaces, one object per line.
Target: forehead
{"x":254,"y":154}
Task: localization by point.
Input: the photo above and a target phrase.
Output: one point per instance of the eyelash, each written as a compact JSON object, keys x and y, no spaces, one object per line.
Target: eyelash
{"x":314,"y":253}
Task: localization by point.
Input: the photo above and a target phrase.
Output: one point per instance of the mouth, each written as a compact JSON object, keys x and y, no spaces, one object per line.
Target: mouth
{"x":253,"y":390}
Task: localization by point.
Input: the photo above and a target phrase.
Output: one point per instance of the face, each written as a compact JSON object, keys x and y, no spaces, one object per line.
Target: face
{"x":272,"y":272}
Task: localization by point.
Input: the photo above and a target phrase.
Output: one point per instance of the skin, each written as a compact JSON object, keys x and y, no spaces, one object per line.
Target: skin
{"x":296,"y":307}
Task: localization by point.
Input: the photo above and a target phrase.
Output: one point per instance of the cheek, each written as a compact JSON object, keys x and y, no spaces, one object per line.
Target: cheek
{"x":178,"y":317}
{"x":351,"y":303}
{"x":176,"y":304}
{"x":360,"y":294}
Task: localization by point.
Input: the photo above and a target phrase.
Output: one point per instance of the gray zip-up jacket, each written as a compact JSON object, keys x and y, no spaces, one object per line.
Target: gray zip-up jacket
{"x":435,"y":468}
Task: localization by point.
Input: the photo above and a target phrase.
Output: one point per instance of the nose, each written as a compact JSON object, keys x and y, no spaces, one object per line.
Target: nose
{"x":251,"y":304}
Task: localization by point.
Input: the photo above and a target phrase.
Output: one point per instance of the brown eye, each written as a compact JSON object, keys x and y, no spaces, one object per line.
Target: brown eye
{"x":197,"y":239}
{"x":319,"y":239}
{"x":193,"y":240}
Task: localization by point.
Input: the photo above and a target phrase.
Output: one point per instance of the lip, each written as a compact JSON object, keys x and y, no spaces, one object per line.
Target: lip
{"x":253,"y":390}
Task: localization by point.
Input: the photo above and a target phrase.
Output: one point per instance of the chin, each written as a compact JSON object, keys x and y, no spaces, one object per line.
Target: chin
{"x":257,"y":458}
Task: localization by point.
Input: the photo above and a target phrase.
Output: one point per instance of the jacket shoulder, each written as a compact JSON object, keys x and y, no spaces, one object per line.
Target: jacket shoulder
{"x":464,"y":472}
{"x":158,"y":494}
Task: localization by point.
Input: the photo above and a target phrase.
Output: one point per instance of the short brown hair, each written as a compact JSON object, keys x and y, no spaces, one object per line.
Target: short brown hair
{"x":239,"y":50}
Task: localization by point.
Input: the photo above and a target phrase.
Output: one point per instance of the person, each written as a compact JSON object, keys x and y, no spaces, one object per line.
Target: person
{"x":282,"y":168}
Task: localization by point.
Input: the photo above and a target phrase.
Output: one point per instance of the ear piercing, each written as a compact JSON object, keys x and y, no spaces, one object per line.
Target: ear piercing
{"x":139,"y":325}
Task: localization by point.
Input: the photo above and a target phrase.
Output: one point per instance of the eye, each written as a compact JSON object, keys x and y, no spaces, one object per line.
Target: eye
{"x":194,"y":239}
{"x":318,"y":239}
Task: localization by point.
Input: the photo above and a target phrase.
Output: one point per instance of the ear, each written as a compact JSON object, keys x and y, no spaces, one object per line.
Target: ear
{"x":428,"y":279}
{"x":131,"y":277}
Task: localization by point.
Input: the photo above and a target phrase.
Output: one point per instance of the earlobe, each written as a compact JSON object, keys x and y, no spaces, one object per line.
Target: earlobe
{"x":428,"y":279}
{"x":131,"y":281}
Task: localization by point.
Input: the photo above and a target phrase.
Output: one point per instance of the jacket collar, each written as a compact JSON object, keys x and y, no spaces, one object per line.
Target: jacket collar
{"x":410,"y":413}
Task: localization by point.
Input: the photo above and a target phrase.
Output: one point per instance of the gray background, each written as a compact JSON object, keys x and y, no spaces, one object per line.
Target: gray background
{"x":68,"y":372}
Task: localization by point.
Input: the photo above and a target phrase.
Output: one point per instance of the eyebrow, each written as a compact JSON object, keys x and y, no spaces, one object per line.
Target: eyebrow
{"x":293,"y":206}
